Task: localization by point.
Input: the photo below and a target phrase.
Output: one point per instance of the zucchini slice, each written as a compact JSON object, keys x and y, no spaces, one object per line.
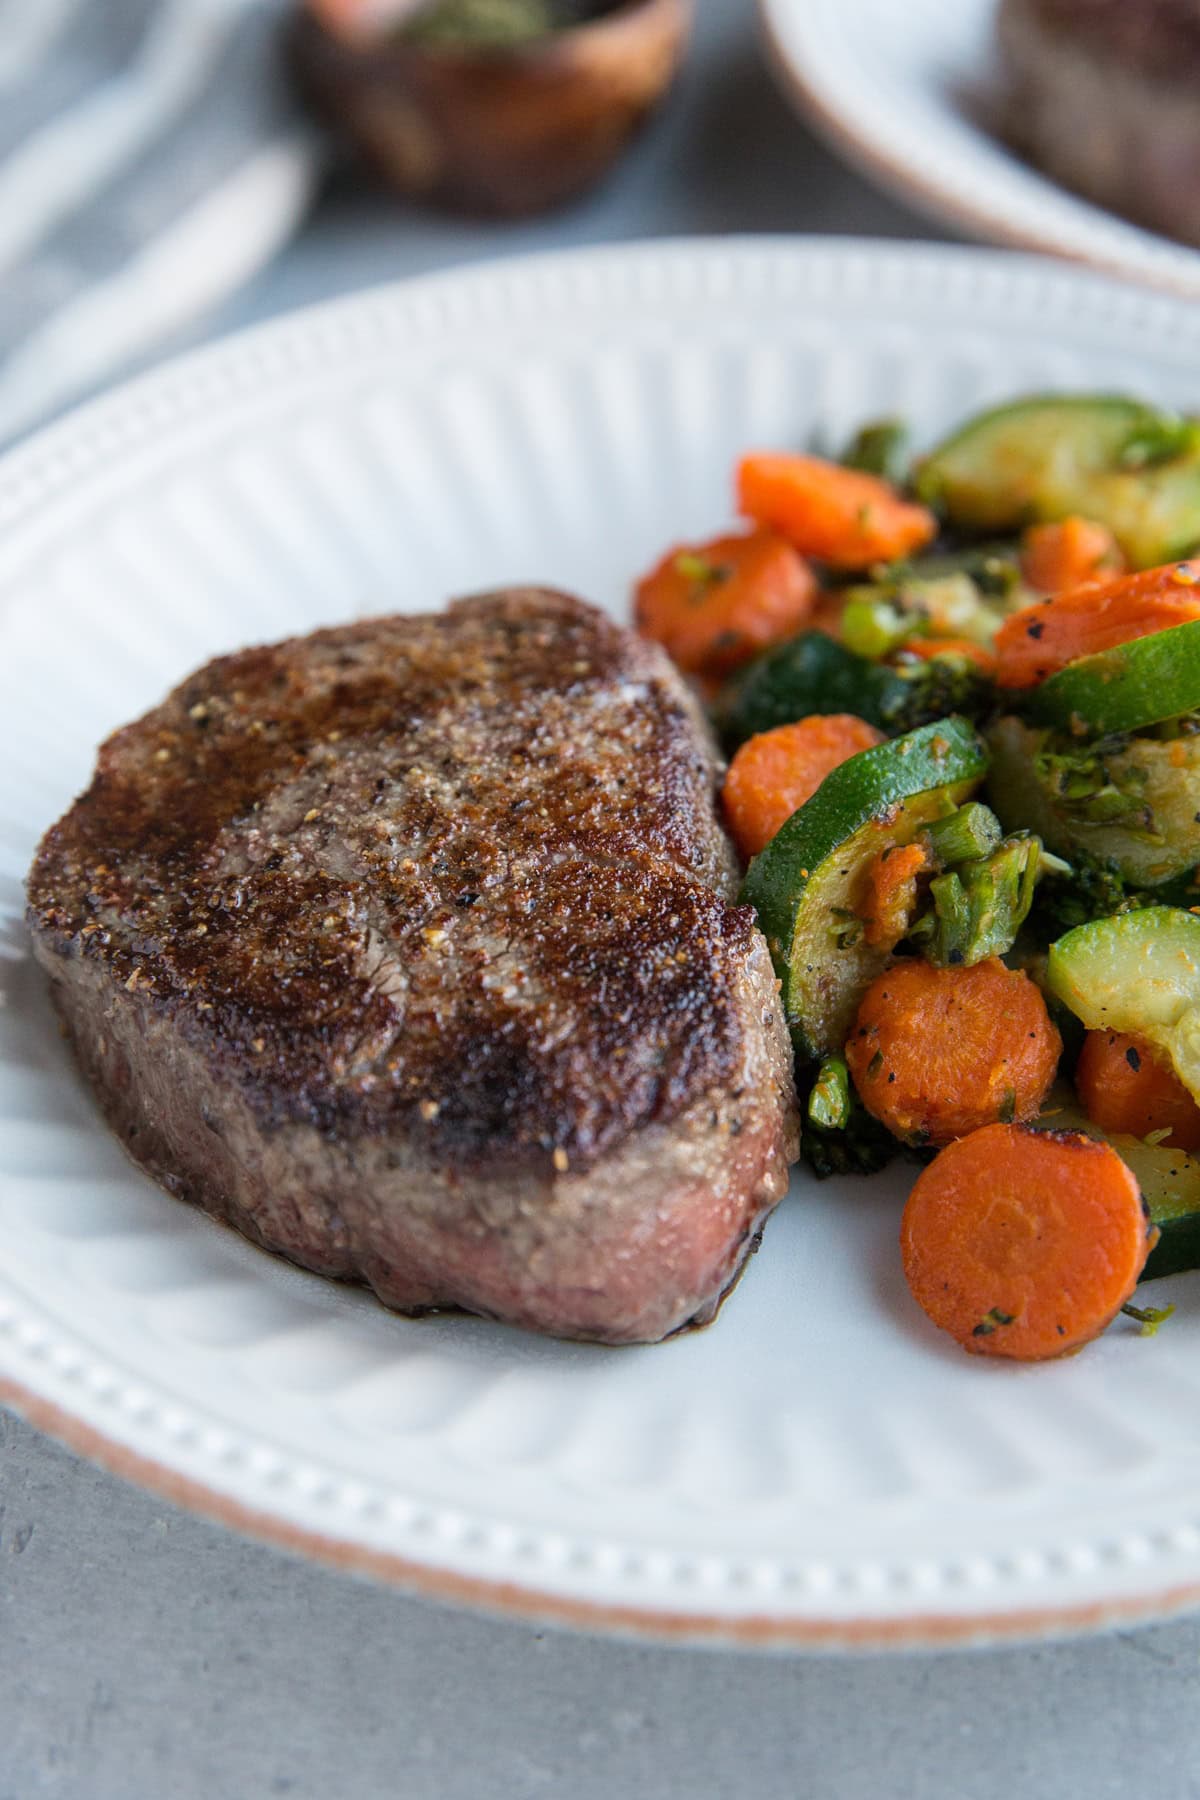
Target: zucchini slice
{"x":806,"y":886}
{"x":1136,"y":971}
{"x":813,"y":673}
{"x":1126,"y":688}
{"x":1113,"y":459}
{"x":1133,"y":806}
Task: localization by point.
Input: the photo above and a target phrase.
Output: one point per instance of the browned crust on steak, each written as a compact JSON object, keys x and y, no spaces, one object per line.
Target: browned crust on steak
{"x":407,"y":948}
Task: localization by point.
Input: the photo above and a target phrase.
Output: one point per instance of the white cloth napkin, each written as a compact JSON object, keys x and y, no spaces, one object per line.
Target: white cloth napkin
{"x":151,"y":161}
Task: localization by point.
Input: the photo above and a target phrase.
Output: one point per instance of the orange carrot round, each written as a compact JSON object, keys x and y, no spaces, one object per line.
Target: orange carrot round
{"x":842,"y":516}
{"x":929,"y":647}
{"x":776,"y":772}
{"x":1124,"y":1086}
{"x":1023,"y":1243}
{"x":936,"y":1053}
{"x":1043,"y":638}
{"x":1067,"y":552}
{"x":891,"y":892}
{"x":715,"y":605}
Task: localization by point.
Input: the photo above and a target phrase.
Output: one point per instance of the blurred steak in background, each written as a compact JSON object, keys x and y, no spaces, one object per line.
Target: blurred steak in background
{"x":1104,"y":95}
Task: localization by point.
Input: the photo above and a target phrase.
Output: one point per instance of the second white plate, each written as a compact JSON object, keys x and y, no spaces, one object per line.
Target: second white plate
{"x":901,"y":90}
{"x":818,"y":1468}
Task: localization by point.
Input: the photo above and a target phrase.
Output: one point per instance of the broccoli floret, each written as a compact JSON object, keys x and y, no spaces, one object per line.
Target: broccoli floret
{"x":924,"y":691}
{"x":1091,"y":890}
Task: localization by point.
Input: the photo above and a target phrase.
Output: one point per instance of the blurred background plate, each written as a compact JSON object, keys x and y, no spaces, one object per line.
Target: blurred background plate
{"x":820,"y":1467}
{"x":907,"y":92}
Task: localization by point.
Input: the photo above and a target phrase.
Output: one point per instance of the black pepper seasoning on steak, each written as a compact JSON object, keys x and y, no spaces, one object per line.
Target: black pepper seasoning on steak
{"x":408,"y":949}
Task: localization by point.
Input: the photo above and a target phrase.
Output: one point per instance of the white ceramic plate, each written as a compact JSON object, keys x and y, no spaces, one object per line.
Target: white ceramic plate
{"x":903,"y":91}
{"x":820,"y":1467}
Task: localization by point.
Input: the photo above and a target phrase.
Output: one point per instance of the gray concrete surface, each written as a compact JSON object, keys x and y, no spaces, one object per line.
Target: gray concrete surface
{"x":147,"y":1655}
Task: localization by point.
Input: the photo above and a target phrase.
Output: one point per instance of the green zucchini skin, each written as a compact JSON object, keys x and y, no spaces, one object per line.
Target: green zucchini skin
{"x":813,"y":673}
{"x":806,"y":882}
{"x":1156,"y":841}
{"x":1174,"y":1202}
{"x":1113,"y":459}
{"x":1124,"y":689}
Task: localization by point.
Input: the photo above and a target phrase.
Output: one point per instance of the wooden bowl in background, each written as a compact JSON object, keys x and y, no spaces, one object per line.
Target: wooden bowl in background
{"x":492,"y":130}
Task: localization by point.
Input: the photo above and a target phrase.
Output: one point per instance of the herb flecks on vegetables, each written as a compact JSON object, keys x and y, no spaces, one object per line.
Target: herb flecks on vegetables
{"x":990,"y":1320}
{"x":1128,"y":1087}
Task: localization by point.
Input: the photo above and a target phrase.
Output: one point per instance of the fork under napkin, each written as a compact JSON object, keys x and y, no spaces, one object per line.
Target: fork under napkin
{"x":152,"y":160}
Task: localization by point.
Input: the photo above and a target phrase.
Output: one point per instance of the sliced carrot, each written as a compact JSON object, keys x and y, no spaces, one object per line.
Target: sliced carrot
{"x":890,"y":900}
{"x":1041,"y":639}
{"x":842,"y":516}
{"x":1024,"y":1243}
{"x":929,"y":647}
{"x":1067,"y":552}
{"x":715,"y":605}
{"x":776,"y":772}
{"x":1123,"y":1086}
{"x":936,"y":1053}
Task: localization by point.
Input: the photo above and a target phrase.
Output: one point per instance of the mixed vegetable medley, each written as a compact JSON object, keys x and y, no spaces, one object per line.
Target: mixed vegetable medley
{"x":961,"y":700}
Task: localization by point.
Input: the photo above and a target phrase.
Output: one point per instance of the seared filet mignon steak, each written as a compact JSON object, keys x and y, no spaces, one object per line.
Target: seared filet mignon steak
{"x":1102,"y":95}
{"x":407,"y":948}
